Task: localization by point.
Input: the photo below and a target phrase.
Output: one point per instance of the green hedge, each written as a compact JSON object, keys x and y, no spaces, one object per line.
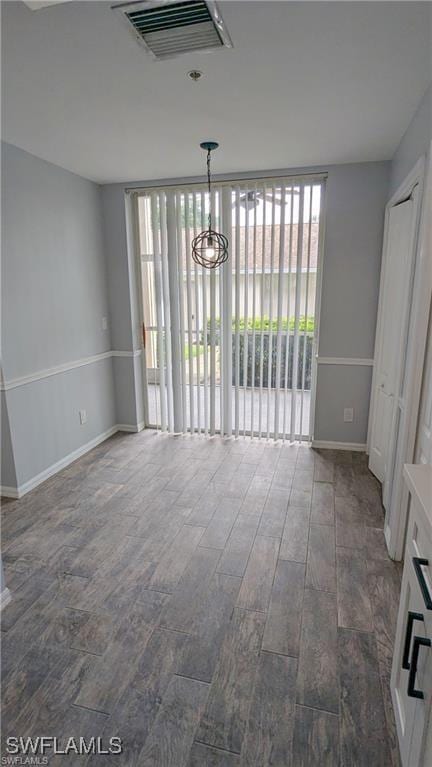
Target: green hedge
{"x":262,"y":327}
{"x":263,"y":344}
{"x":263,"y":323}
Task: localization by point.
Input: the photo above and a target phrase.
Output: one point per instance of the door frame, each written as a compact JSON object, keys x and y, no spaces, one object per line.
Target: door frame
{"x":414,"y":357}
{"x":138,"y":285}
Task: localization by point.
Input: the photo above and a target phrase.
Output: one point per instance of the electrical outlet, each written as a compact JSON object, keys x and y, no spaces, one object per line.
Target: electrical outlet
{"x":83,"y":417}
{"x":348,"y":414}
{"x":104,"y":323}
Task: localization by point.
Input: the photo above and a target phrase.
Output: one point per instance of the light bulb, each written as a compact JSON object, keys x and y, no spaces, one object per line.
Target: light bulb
{"x":209,"y":250}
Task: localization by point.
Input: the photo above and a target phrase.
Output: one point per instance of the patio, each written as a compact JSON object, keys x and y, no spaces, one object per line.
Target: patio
{"x":248,"y":408}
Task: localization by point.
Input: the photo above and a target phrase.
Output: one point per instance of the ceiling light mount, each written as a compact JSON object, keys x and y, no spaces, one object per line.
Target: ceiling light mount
{"x":209,"y":146}
{"x":209,"y":248}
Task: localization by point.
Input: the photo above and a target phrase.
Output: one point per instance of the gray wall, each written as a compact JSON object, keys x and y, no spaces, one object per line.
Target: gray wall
{"x":119,"y":248}
{"x":53,"y":266}
{"x":356,"y":197}
{"x":7,"y":469}
{"x":54,"y":296}
{"x":44,"y":418}
{"x":414,"y":143}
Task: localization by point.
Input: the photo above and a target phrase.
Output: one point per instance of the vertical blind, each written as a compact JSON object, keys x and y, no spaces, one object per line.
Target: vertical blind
{"x":232,"y":350}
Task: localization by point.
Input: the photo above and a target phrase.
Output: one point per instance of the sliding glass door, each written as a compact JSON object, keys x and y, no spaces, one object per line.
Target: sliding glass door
{"x":232,"y":350}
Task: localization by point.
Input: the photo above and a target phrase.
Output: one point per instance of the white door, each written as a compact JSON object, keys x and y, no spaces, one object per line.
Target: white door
{"x":395,"y":293}
{"x":424,"y":435}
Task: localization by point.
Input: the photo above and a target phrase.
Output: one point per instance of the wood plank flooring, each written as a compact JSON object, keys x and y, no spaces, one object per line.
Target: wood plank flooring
{"x":212,"y":603}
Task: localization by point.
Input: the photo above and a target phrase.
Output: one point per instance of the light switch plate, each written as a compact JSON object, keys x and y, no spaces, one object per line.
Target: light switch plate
{"x":83,"y":416}
{"x":348,"y":414}
{"x":104,"y":323}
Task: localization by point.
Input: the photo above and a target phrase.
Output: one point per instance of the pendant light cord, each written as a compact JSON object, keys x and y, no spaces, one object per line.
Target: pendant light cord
{"x":209,"y":186}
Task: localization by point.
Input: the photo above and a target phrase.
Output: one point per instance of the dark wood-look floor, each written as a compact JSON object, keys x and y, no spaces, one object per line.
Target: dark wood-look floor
{"x":210,"y":602}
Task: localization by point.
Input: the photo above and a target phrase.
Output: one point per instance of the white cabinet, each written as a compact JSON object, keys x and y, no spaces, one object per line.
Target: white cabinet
{"x":411,"y":680}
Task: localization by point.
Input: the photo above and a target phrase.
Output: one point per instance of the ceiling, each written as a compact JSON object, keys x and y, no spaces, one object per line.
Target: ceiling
{"x":305,"y":84}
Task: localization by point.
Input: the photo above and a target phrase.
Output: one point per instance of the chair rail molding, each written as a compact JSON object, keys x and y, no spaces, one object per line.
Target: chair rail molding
{"x":362,"y":361}
{"x":64,"y":368}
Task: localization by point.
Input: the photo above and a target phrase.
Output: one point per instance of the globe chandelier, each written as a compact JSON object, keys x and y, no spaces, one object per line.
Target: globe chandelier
{"x":209,"y":248}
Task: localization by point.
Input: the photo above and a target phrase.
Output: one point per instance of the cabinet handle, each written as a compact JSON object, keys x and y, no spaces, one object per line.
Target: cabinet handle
{"x":407,"y":646}
{"x":418,"y":641}
{"x":418,"y":562}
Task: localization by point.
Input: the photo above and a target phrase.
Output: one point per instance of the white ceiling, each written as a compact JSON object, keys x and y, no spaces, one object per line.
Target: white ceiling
{"x":306,"y":83}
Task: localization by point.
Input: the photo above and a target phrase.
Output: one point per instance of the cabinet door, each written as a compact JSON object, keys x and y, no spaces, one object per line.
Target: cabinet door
{"x":423,"y":683}
{"x":408,"y":626}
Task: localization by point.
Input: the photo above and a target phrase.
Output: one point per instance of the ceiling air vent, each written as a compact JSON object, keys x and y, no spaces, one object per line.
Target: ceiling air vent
{"x":168,"y":29}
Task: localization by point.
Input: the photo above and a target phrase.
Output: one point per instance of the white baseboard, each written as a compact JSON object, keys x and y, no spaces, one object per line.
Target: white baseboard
{"x":18,"y":492}
{"x":356,"y":446}
{"x":8,"y":492}
{"x":131,"y":427}
{"x":5,"y":598}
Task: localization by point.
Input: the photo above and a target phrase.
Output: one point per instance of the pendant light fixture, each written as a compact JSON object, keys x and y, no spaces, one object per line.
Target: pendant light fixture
{"x":209,"y":249}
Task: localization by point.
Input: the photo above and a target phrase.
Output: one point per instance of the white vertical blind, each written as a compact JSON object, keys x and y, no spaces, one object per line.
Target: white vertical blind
{"x":189,"y":316}
{"x":279,"y":314}
{"x":288,"y":368}
{"x":263,"y":279}
{"x":182,"y":312}
{"x":226,"y":315}
{"x":237,"y":314}
{"x":174,"y":327}
{"x":212,"y":202}
{"x":245,"y":310}
{"x":309,"y":235}
{"x":299,"y":256}
{"x":160,"y":356}
{"x":254,"y":293}
{"x":270,"y":334}
{"x":204,"y":329}
{"x":166,"y":307}
{"x":231,"y":348}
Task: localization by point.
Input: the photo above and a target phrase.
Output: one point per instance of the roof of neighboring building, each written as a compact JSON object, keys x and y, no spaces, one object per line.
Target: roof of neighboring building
{"x":254,"y":239}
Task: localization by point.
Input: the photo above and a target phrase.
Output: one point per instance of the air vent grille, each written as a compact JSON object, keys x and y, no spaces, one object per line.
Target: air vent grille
{"x":176,"y":15}
{"x":169,"y":29}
